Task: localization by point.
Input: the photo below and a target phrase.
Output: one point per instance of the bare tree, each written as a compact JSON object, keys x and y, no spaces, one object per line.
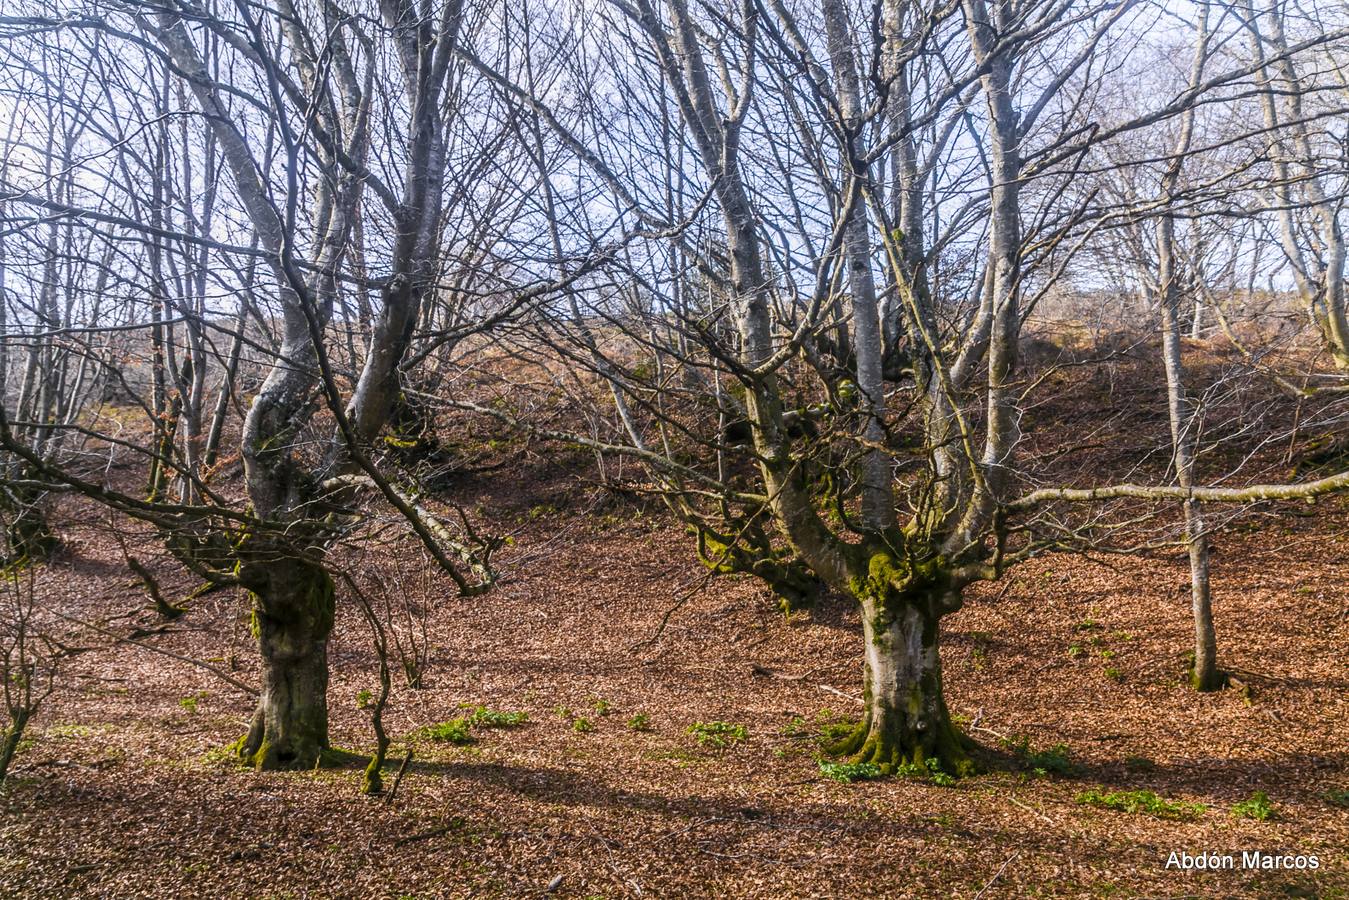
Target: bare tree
{"x":290,"y":240}
{"x":28,"y":661}
{"x":1308,"y":213}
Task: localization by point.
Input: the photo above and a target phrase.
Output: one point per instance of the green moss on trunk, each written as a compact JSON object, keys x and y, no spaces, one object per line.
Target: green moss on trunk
{"x":294,"y":605}
{"x":1213,"y":680}
{"x":906,"y":725}
{"x":28,"y":537}
{"x":789,"y":578}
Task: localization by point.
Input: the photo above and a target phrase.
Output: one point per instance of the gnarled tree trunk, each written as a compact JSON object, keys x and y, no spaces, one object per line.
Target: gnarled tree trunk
{"x":293,"y":617}
{"x":905,"y":723}
{"x":27,"y":534}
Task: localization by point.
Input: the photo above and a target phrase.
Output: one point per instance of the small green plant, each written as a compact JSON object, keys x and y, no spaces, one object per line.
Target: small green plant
{"x":364,"y":699}
{"x":1087,"y":624}
{"x":827,"y":727}
{"x":1337,"y":797}
{"x":850,"y":772}
{"x":639,"y":722}
{"x":837,"y":731}
{"x":455,"y":731}
{"x":1076,"y":651}
{"x":930,"y":769}
{"x":1113,"y":674}
{"x":190,"y":702}
{"x":582,"y":725}
{"x":482,"y":717}
{"x":1107,"y":654}
{"x":983,"y":642}
{"x":1141,"y":802}
{"x":1256,"y":806}
{"x":601,"y":706}
{"x":718,"y":735}
{"x":1056,"y":760}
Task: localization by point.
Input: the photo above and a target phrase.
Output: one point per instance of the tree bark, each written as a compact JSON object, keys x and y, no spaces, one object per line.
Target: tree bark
{"x":1206,"y":675}
{"x":9,"y":743}
{"x":905,"y":724}
{"x":1180,"y":409}
{"x":1317,"y":271}
{"x":878,"y":500}
{"x":28,"y":536}
{"x":293,"y":616}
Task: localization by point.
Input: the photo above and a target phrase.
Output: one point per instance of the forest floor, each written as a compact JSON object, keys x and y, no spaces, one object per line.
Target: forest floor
{"x":124,"y":789}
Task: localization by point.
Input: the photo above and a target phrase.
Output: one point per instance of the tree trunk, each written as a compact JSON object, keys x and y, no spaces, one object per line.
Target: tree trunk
{"x":1180,"y":409}
{"x":878,"y":499}
{"x":28,"y":536}
{"x":1206,"y":676}
{"x":293,"y":616}
{"x":906,"y":722}
{"x":9,"y":743}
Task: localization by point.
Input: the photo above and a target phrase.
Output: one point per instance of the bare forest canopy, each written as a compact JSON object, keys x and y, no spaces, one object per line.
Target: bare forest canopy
{"x":872,"y":303}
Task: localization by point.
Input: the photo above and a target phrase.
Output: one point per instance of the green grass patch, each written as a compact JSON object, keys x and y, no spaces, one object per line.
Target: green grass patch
{"x":639,"y":722}
{"x":68,"y":731}
{"x":1055,"y":760}
{"x":826,"y":728}
{"x":455,"y":731}
{"x":1139,"y":764}
{"x":847,"y":773}
{"x":929,"y":769}
{"x":718,"y":735}
{"x":459,"y":730}
{"x":482,"y":717}
{"x":1256,"y":806}
{"x":1145,"y":802}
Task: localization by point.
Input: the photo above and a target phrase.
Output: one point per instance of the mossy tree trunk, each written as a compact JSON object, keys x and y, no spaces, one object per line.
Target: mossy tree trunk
{"x":28,"y":536}
{"x":905,"y":721}
{"x":293,"y":611}
{"x":10,"y":739}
